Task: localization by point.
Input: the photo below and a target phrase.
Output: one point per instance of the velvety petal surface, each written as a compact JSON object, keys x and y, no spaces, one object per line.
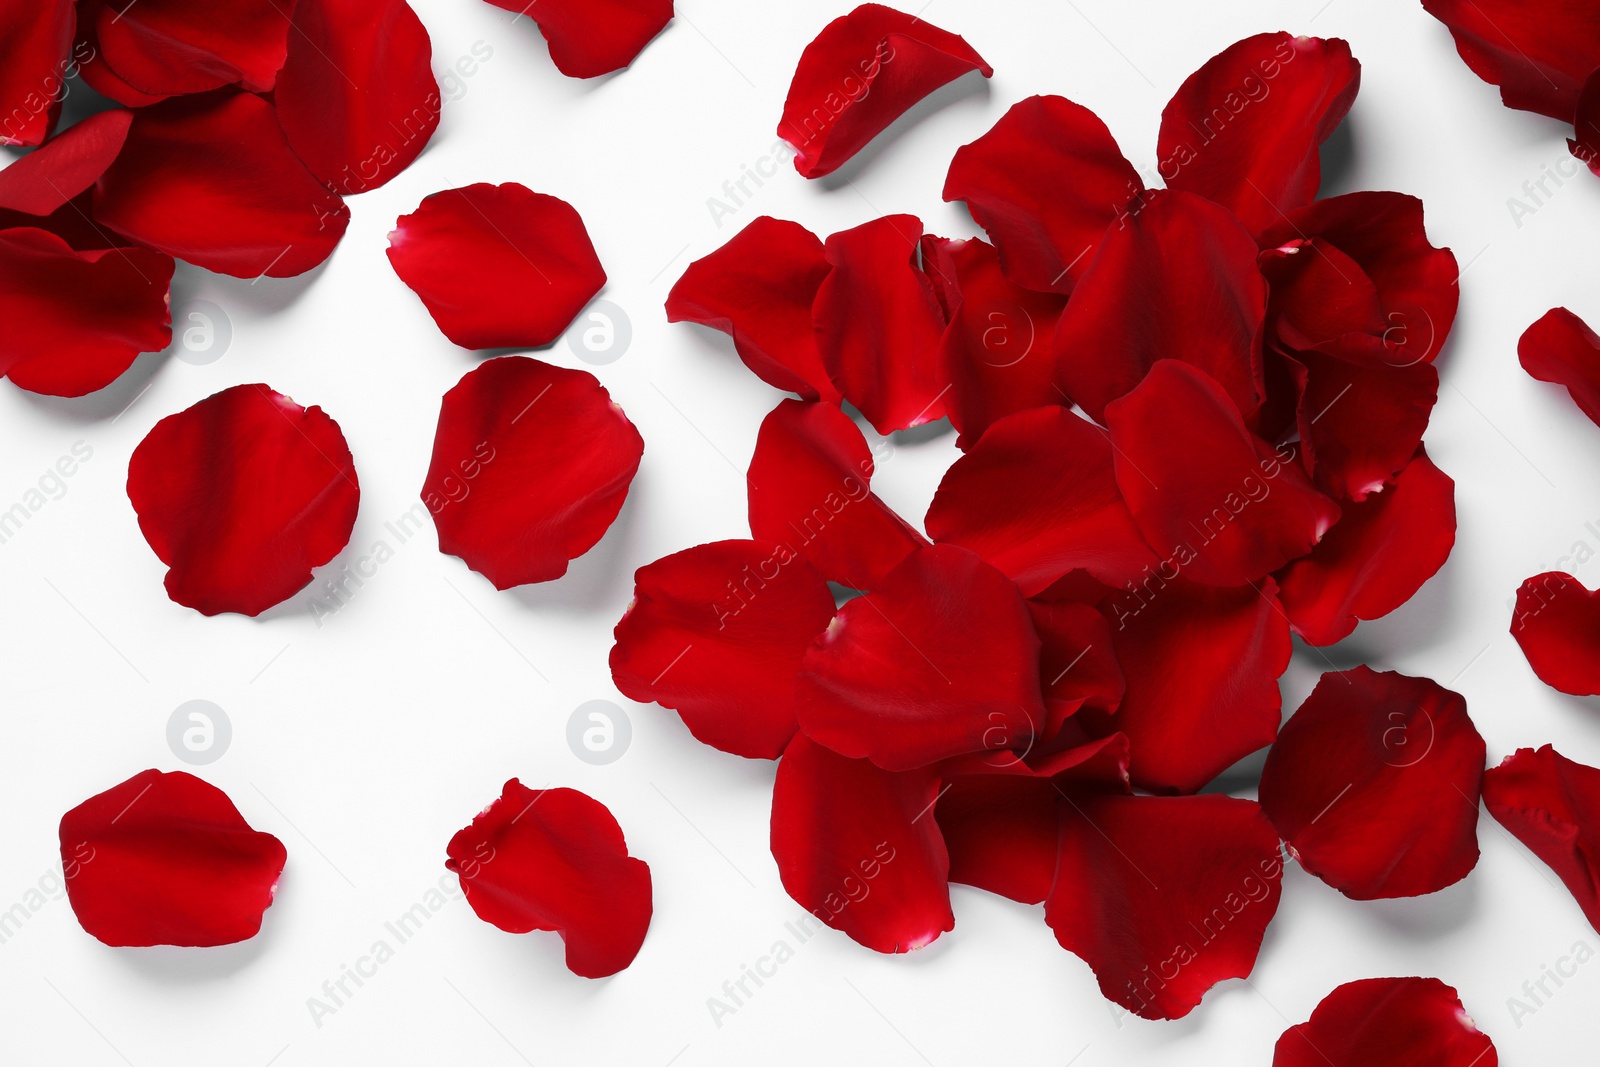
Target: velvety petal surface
{"x":1556,"y":622}
{"x":1539,"y":54}
{"x":589,"y":38}
{"x":1560,"y":348}
{"x":1387,"y":1022}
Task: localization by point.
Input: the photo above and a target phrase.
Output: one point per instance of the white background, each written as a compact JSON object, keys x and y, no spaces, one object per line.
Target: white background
{"x":365,"y":742}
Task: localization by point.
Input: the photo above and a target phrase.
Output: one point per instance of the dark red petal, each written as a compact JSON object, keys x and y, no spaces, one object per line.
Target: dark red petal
{"x":1375,"y":557}
{"x":1202,"y":667}
{"x":241,"y":496}
{"x":1552,"y":805}
{"x":166,"y":859}
{"x":940,"y":660}
{"x":1045,"y":183}
{"x":77,"y":320}
{"x":190,"y":46}
{"x":1585,"y":142}
{"x":1037,"y":497}
{"x":35,"y":47}
{"x":878,"y":324}
{"x":758,"y":289}
{"x":1077,"y":662}
{"x":1560,"y":348}
{"x":859,"y":848}
{"x":511,"y":489}
{"x":589,"y":38}
{"x":1164,"y":897}
{"x":1557,"y":623}
{"x":48,"y":178}
{"x":1361,"y":422}
{"x":92,"y":66}
{"x":1140,"y":300}
{"x":1214,"y":500}
{"x":355,"y":96}
{"x":810,"y":490}
{"x":863,"y":71}
{"x":497,"y":266}
{"x":212,"y":180}
{"x":555,"y":859}
{"x":717,"y":633}
{"x":1387,"y":1022}
{"x":1374,"y":784}
{"x":1244,"y":130}
{"x":1538,"y":54}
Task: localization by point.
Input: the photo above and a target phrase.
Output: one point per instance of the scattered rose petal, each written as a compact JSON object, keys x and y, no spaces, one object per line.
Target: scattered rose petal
{"x":1387,"y":1022}
{"x":191,"y":46}
{"x":589,"y":38}
{"x":1077,"y":660}
{"x":1585,"y":142}
{"x":92,"y":66}
{"x":1539,"y":54}
{"x":1360,"y":422}
{"x":1557,"y":623}
{"x":1560,"y":348}
{"x":1552,"y":805}
{"x":49,"y":177}
{"x":35,"y":60}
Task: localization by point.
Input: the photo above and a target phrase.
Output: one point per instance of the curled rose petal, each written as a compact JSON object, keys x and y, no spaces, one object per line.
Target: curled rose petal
{"x":1387,"y":1022}
{"x":1361,"y":422}
{"x":35,"y":61}
{"x":810,"y":485}
{"x":858,"y":847}
{"x":1245,"y":129}
{"x":1373,"y":784}
{"x":717,"y":633}
{"x":497,"y":266}
{"x":1552,"y":805}
{"x":1077,"y":660}
{"x":589,"y":38}
{"x":166,"y":859}
{"x":191,"y":46}
{"x":241,"y":496}
{"x":758,"y":289}
{"x":531,"y":464}
{"x":1560,"y":348}
{"x":49,"y":177}
{"x":356,"y":97}
{"x":1164,"y":897}
{"x":863,"y":71}
{"x":1538,"y":54}
{"x":1375,"y":557}
{"x":92,"y":66}
{"x":1557,"y":623}
{"x":1045,"y":183}
{"x":555,"y":859}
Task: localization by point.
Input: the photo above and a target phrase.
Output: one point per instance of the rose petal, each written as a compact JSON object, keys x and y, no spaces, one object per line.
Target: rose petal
{"x":497,"y":266}
{"x":531,"y":464}
{"x":1557,"y":624}
{"x":241,"y":496}
{"x":35,"y":47}
{"x":1538,"y":54}
{"x":1387,"y":1022}
{"x":92,"y":66}
{"x":1552,"y":805}
{"x":48,"y":178}
{"x":1585,"y":144}
{"x":858,"y":847}
{"x":1560,"y":348}
{"x":191,"y":46}
{"x":717,"y":632}
{"x":1077,"y":662}
{"x":863,"y":71}
{"x":1361,"y":422}
{"x":555,"y":859}
{"x":166,"y":859}
{"x":589,"y":38}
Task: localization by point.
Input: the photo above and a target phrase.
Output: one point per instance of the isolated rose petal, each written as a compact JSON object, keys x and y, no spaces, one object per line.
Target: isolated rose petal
{"x":555,"y":859}
{"x":1212,"y":499}
{"x":1387,"y":1022}
{"x":241,"y":496}
{"x":1164,"y":897}
{"x":35,"y":47}
{"x":356,"y":97}
{"x":1037,"y":497}
{"x":1557,"y":623}
{"x":166,"y":859}
{"x":859,"y":848}
{"x":531,"y":464}
{"x":863,"y":71}
{"x":1044,"y":183}
{"x":1374,"y":784}
{"x":1538,"y":54}
{"x":1361,"y":422}
{"x":1560,"y":348}
{"x":191,"y":46}
{"x":1585,"y":142}
{"x":940,"y":660}
{"x":1552,"y":805}
{"x":810,"y":490}
{"x":589,"y":38}
{"x":77,"y":320}
{"x":497,"y":266}
{"x":1244,"y":130}
{"x":758,"y":289}
{"x":717,"y":633}
{"x":1140,"y":300}
{"x":1375,"y":557}
{"x":49,"y":177}
{"x":1077,"y":661}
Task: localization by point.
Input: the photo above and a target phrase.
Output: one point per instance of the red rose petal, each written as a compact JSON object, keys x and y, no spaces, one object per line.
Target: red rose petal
{"x":1044,"y":183}
{"x":35,"y":47}
{"x":77,"y":320}
{"x":1560,"y":348}
{"x":1244,"y":130}
{"x":1557,"y":623}
{"x":497,"y":266}
{"x":1215,"y":501}
{"x":1585,"y":144}
{"x":190,"y":46}
{"x":1552,"y":805}
{"x":940,"y":660}
{"x":589,"y":38}
{"x":356,"y":97}
{"x":531,"y":464}
{"x":1538,"y":54}
{"x":810,"y":490}
{"x":1037,"y":497}
{"x":758,"y":289}
{"x":212,"y":180}
{"x":859,"y":848}
{"x":555,"y":859}
{"x":863,"y":71}
{"x":166,"y":859}
{"x":1361,"y":422}
{"x":241,"y":496}
{"x":1077,"y":661}
{"x":92,"y":66}
{"x":717,"y":633}
{"x":1375,"y":557}
{"x":48,"y":178}
{"x":1373,"y":784}
{"x":1140,"y":301}
{"x":1387,"y":1022}
{"x":1164,"y":897}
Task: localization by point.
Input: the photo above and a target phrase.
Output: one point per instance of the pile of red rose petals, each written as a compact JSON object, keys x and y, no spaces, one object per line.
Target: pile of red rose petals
{"x":589,"y":38}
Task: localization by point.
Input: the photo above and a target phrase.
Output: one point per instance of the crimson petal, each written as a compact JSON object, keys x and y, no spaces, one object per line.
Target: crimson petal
{"x":1585,"y":142}
{"x":191,"y":46}
{"x":1387,"y":1022}
{"x":1361,"y":422}
{"x":1077,"y":663}
{"x":1560,"y":348}
{"x":49,"y":177}
{"x":1552,"y":805}
{"x":92,"y":66}
{"x":35,"y":47}
{"x":1557,"y":623}
{"x":589,"y":38}
{"x":1538,"y":54}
